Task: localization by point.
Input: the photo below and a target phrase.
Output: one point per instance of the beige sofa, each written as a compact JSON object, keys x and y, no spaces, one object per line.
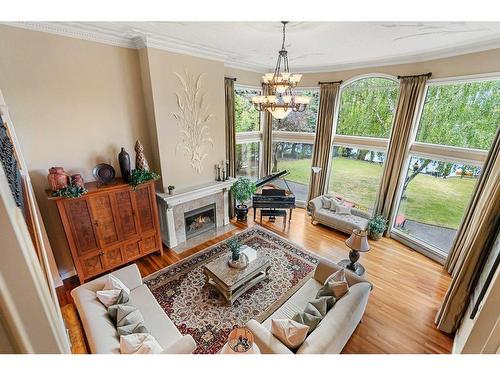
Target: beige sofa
{"x":333,"y":331}
{"x":100,"y":330}
{"x":345,"y":223}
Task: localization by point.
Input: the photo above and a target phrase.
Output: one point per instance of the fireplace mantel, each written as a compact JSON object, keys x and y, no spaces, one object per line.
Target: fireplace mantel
{"x":171,"y":208}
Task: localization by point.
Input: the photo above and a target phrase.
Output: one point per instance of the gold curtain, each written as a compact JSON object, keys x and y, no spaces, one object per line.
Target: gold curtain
{"x":323,"y":141}
{"x":411,"y":93}
{"x":473,"y":241}
{"x":230,"y":134}
{"x":267,"y":137}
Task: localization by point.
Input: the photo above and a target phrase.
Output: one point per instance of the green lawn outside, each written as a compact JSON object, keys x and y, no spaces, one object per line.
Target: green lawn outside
{"x":429,"y":199}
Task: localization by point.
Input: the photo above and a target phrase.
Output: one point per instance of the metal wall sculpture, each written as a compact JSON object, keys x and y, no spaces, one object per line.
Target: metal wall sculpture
{"x":192,"y":117}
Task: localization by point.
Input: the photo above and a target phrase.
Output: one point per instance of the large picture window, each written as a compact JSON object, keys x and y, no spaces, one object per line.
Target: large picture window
{"x":457,"y":124}
{"x":247,"y":118}
{"x":301,"y":121}
{"x":360,"y":140}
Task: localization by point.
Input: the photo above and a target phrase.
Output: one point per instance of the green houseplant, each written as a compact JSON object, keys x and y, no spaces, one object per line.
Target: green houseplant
{"x":234,"y":245}
{"x":140,"y":176}
{"x":242,"y":191}
{"x":376,"y":227}
{"x":171,"y":189}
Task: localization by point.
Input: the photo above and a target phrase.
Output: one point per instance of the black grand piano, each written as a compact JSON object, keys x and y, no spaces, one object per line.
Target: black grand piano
{"x":271,"y":196}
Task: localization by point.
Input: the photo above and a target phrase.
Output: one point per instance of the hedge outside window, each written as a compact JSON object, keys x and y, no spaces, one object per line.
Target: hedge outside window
{"x":247,"y":118}
{"x":464,"y":114}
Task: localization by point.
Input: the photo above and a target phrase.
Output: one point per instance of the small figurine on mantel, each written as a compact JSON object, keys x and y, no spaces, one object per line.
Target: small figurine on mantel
{"x":140,"y":159}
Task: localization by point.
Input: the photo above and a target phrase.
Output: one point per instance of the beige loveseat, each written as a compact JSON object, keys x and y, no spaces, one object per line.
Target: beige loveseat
{"x":333,"y":331}
{"x":357,"y":219}
{"x":100,"y":330}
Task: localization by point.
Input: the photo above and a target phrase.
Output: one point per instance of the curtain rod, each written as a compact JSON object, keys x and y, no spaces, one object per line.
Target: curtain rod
{"x":232,"y":79}
{"x":417,"y":75}
{"x":322,"y":83}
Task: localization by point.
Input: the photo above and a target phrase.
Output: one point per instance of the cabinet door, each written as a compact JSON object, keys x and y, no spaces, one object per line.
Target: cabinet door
{"x":145,"y":208}
{"x":92,"y":264}
{"x":102,"y":213}
{"x":113,"y":257}
{"x":77,"y":213}
{"x":126,"y":214}
{"x":132,"y":250}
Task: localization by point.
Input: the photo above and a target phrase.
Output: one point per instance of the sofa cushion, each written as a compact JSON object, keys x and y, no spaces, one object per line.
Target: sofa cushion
{"x":139,"y":343}
{"x":320,"y":306}
{"x":113,"y":309}
{"x":307,"y":319}
{"x":337,"y":283}
{"x":132,"y":328}
{"x":127,"y":314}
{"x":291,"y":333}
{"x":297,"y":302}
{"x":344,"y":223}
{"x":155,"y":319}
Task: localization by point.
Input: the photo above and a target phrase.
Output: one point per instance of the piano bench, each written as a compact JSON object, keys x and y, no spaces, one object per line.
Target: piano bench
{"x":274,"y":213}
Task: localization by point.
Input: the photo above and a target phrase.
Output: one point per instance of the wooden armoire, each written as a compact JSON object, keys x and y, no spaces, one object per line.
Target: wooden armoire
{"x":110,"y":226}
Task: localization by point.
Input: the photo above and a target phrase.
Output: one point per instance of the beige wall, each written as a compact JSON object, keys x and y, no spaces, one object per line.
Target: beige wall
{"x":74,"y":104}
{"x":175,"y":166}
{"x":473,"y":63}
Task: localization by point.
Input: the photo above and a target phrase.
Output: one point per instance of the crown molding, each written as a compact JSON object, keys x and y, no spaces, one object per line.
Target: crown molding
{"x":138,"y":40}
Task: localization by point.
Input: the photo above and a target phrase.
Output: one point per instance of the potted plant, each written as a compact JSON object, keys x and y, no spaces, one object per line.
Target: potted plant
{"x":242,"y":191}
{"x":140,"y":176}
{"x":376,"y":227}
{"x":234,"y":245}
{"x":171,"y":189}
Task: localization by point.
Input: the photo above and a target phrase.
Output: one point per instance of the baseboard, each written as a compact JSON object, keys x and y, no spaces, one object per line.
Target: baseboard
{"x":67,"y":275}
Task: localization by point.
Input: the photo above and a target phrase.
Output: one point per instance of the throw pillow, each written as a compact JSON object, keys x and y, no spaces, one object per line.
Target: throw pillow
{"x":132,"y":328}
{"x":139,"y":343}
{"x":326,"y":202}
{"x":113,"y":309}
{"x":320,"y":306}
{"x":111,"y":291}
{"x":326,"y":291}
{"x":113,"y":282}
{"x":338,"y":284}
{"x":291,"y":333}
{"x":309,"y":320}
{"x":108,"y":297}
{"x":127,"y":314}
{"x":334,"y":204}
{"x":343,"y":210}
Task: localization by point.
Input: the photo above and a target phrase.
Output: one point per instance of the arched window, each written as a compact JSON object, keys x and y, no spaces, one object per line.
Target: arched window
{"x":362,"y":130}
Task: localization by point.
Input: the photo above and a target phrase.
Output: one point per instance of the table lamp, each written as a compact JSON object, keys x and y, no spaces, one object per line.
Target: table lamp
{"x":358,"y":242}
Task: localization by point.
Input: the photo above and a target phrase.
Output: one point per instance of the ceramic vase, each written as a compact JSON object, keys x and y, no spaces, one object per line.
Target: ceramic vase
{"x":77,"y":180}
{"x":58,"y":179}
{"x":124,"y":161}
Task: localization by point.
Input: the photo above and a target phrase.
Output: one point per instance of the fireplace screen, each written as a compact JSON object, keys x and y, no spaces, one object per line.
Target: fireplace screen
{"x":199,"y":220}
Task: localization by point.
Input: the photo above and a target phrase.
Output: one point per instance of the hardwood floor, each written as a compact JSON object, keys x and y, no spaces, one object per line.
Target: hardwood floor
{"x":408,"y":287}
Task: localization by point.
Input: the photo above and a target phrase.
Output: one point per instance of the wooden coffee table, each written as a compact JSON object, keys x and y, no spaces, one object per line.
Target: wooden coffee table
{"x":233,"y":282}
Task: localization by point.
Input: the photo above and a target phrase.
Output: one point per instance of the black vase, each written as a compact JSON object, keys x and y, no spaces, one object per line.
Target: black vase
{"x":124,"y":160}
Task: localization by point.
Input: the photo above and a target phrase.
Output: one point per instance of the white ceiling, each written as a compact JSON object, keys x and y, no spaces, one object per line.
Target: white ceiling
{"x":312,"y":46}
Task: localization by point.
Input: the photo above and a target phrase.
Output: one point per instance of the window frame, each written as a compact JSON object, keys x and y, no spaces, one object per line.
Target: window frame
{"x":469,"y":156}
{"x":254,"y":136}
{"x":355,"y":141}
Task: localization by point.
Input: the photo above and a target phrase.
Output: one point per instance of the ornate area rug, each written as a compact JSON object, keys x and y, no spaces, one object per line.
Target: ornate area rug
{"x":202,"y":312}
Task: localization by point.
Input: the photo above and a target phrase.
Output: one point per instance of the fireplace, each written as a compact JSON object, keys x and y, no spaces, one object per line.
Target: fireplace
{"x":200,"y":220}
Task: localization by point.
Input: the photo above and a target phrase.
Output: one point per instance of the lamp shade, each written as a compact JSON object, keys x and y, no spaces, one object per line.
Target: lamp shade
{"x":358,"y":240}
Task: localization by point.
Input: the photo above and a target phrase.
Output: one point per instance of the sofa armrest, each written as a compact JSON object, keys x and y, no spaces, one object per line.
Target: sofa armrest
{"x":364,"y":214}
{"x":185,"y":345}
{"x":265,"y":340}
{"x":326,"y":267}
{"x":315,"y":204}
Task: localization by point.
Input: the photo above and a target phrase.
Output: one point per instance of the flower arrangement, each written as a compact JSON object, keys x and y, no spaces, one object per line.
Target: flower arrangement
{"x":140,"y":176}
{"x":234,"y":245}
{"x":71,"y":191}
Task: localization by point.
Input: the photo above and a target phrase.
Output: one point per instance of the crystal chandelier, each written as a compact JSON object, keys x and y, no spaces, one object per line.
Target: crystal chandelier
{"x":280,"y":99}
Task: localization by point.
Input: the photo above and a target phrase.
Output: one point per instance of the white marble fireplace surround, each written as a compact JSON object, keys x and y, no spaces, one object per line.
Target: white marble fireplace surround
{"x":171,"y":209}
